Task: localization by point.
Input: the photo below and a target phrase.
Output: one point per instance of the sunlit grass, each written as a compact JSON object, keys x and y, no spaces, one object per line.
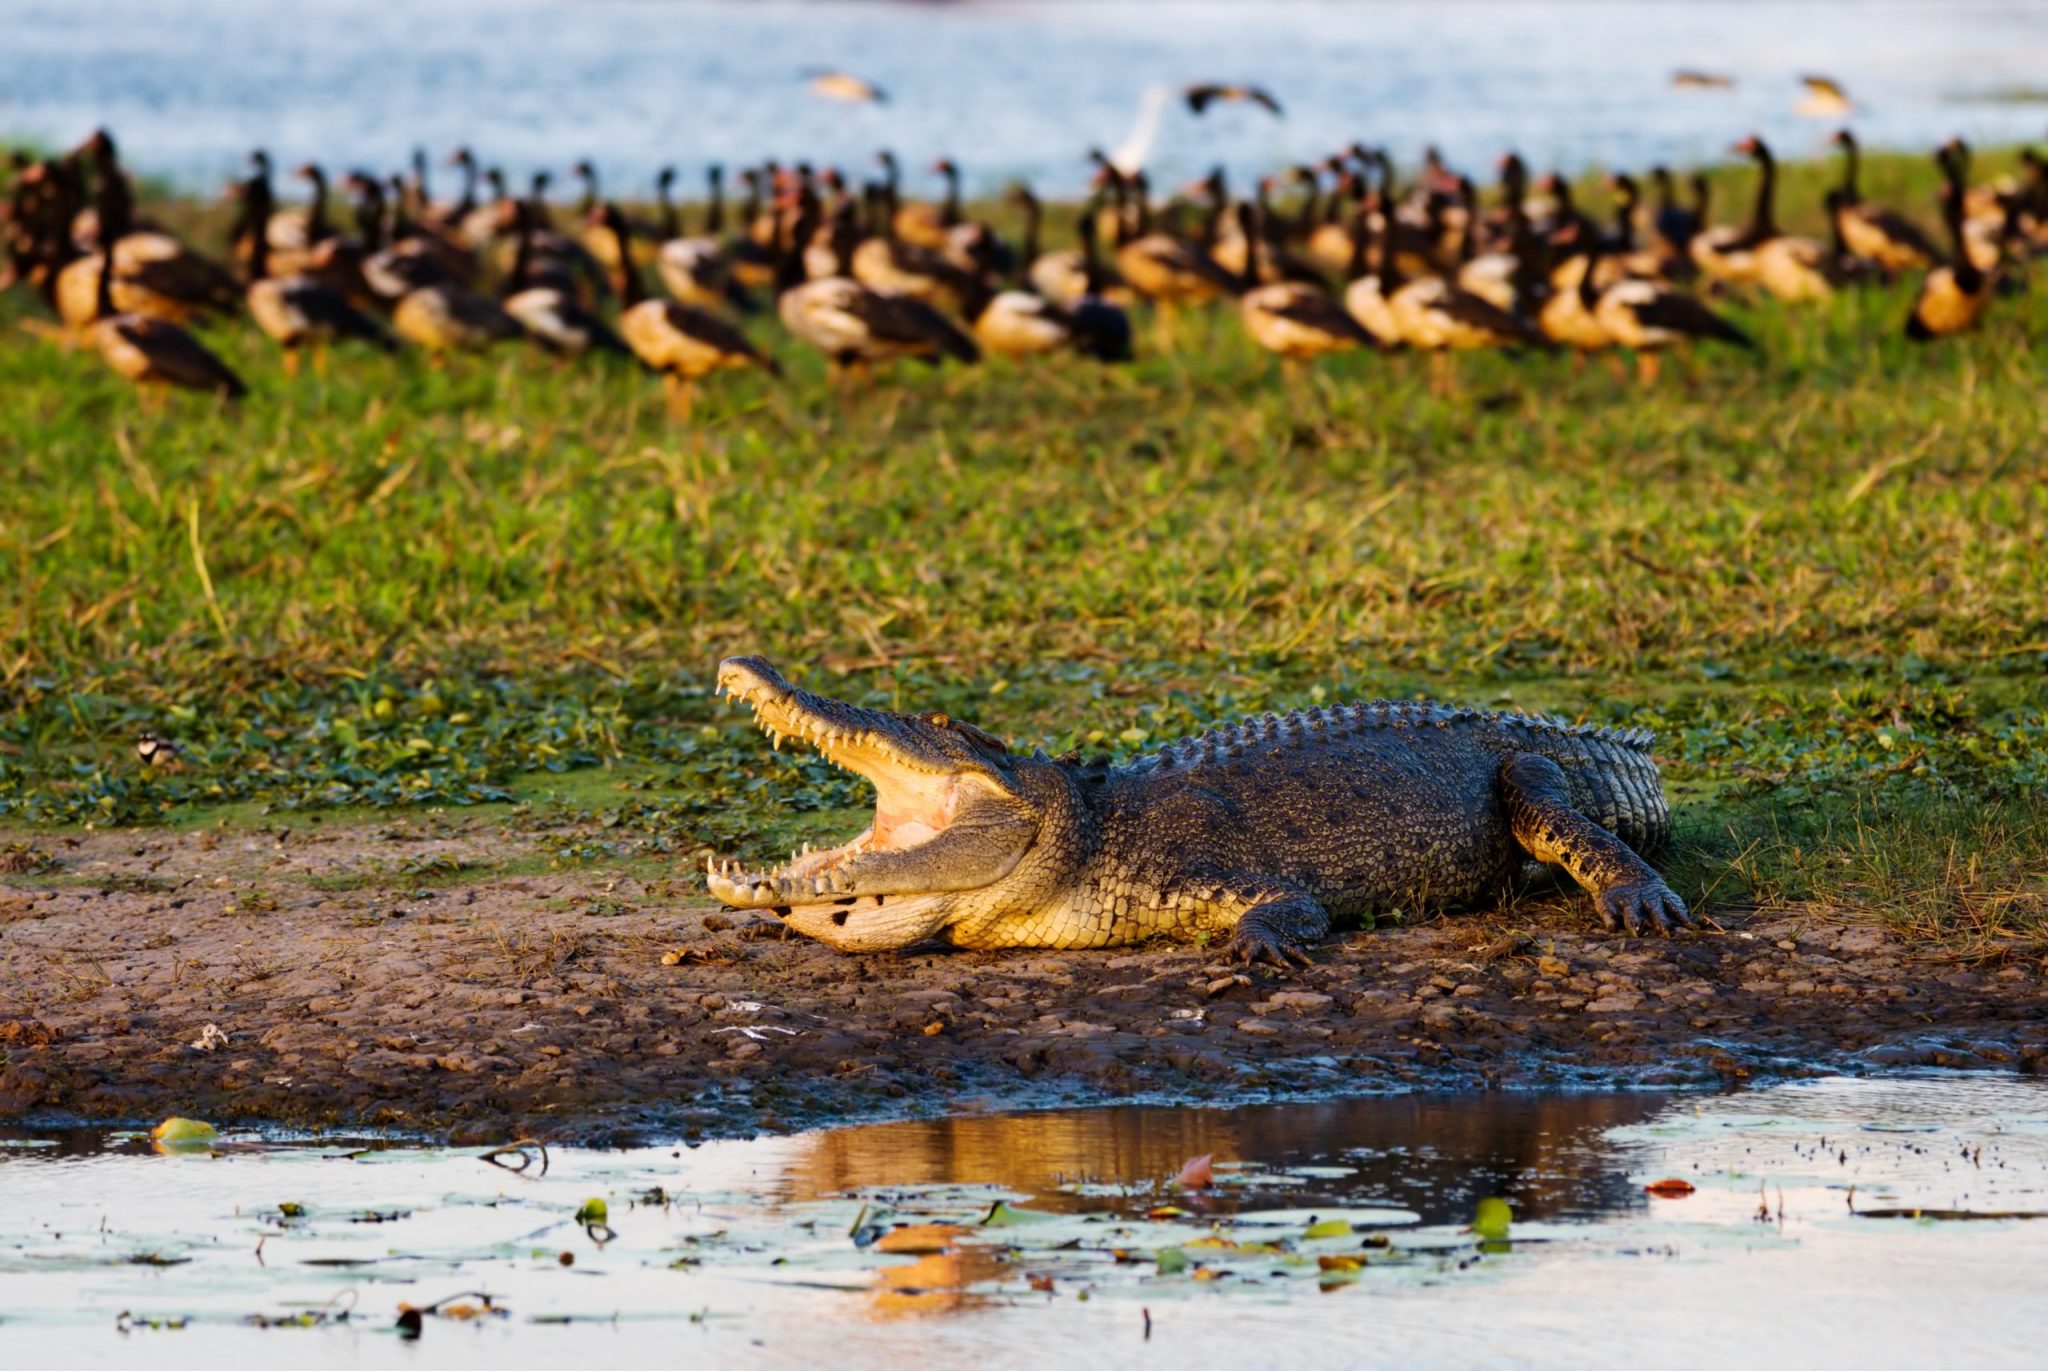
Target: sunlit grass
{"x":1816,"y":572}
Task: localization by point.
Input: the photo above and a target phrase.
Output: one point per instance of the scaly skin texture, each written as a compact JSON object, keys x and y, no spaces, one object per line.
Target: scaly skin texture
{"x":1271,"y":831}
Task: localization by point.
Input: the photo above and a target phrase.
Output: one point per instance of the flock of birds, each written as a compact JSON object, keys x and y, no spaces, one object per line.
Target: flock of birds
{"x":1340,"y":255}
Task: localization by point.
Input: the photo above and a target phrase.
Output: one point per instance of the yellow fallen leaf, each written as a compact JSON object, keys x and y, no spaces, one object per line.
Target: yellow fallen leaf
{"x":1329,"y":1228}
{"x":919,"y":1238}
{"x":1492,"y":1218}
{"x":184,"y":1135}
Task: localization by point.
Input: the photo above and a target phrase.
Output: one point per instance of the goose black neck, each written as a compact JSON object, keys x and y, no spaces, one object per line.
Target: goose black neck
{"x":1626,"y":199}
{"x":1251,"y":224}
{"x":1763,"y":218}
{"x":789,"y":247}
{"x":1968,"y":275}
{"x":1091,"y":249}
{"x":1589,"y":294}
{"x":103,"y":299}
{"x":318,"y":228}
{"x":671,"y":226}
{"x":1390,"y":266}
{"x":262,"y":208}
{"x":369,"y":211}
{"x":949,"y":211}
{"x":1851,"y":167}
{"x":631,"y":291}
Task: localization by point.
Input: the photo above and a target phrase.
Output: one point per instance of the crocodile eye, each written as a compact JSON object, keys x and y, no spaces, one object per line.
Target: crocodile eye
{"x":939,"y":721}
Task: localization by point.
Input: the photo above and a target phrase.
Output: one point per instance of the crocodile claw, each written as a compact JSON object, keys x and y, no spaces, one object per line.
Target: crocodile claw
{"x":1253,"y":946}
{"x":1650,"y":902}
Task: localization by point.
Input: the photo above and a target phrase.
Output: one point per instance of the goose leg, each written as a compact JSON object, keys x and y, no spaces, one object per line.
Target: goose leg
{"x":1649,"y":365}
{"x":1164,"y":325}
{"x":682,"y":396}
{"x":291,"y":362}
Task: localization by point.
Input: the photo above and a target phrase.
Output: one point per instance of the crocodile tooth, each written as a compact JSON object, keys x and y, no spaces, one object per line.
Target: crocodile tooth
{"x":818,"y":885}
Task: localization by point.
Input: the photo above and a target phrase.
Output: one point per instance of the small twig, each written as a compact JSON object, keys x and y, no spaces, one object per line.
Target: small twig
{"x":504,"y":1157}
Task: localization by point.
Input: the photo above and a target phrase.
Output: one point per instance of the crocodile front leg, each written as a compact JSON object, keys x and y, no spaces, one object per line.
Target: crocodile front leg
{"x":1270,"y":921}
{"x":1625,"y":890}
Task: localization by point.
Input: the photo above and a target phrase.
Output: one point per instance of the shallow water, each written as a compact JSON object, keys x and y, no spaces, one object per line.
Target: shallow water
{"x":744,"y":1250}
{"x":1013,"y":89}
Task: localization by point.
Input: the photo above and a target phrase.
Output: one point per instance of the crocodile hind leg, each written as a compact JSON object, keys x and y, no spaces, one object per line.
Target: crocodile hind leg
{"x":1625,"y":891}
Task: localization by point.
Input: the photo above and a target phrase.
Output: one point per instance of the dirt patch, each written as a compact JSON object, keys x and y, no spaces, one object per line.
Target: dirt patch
{"x":410,"y":982}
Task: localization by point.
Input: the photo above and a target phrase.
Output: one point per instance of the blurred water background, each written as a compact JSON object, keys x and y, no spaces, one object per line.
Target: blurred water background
{"x":1010,"y":89}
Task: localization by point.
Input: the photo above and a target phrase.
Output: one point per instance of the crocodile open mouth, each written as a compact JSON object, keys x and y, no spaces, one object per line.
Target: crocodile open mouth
{"x":916,"y":798}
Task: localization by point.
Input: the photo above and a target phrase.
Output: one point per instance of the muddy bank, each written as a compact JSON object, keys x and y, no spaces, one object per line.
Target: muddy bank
{"x":340,"y":977}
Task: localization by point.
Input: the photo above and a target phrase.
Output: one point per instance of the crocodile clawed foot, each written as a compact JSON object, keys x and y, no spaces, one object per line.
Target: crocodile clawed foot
{"x":1648,"y":903}
{"x":768,"y":930}
{"x":1254,"y":947}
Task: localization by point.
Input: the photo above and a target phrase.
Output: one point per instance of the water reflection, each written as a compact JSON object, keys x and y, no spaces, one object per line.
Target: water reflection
{"x":1437,"y":1155}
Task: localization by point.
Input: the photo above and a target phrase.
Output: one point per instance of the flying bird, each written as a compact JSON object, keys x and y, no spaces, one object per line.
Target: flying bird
{"x":1701,"y":80}
{"x":1199,"y":98}
{"x":1824,"y":99}
{"x":844,"y":85}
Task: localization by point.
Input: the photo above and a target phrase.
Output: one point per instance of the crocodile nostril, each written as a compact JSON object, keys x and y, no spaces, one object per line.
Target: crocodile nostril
{"x":839,"y":918}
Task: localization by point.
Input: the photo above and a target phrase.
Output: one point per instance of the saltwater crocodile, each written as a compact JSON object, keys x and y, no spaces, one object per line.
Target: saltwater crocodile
{"x":1268,"y":830}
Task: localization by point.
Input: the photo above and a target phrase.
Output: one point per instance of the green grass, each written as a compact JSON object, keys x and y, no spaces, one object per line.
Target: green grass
{"x":1816,"y":573}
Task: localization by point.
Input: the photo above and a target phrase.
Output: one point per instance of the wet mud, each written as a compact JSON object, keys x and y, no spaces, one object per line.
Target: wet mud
{"x":346,"y":979}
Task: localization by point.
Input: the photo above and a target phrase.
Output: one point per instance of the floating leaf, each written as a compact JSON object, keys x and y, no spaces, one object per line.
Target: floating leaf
{"x":1340,"y":1261}
{"x":1671,"y":1188}
{"x":1360,"y":1217}
{"x":1492,"y":1218}
{"x":1172,"y":1261}
{"x":1003,"y":1214}
{"x":1329,"y":1228}
{"x":1197,"y":1173}
{"x":593,"y":1211}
